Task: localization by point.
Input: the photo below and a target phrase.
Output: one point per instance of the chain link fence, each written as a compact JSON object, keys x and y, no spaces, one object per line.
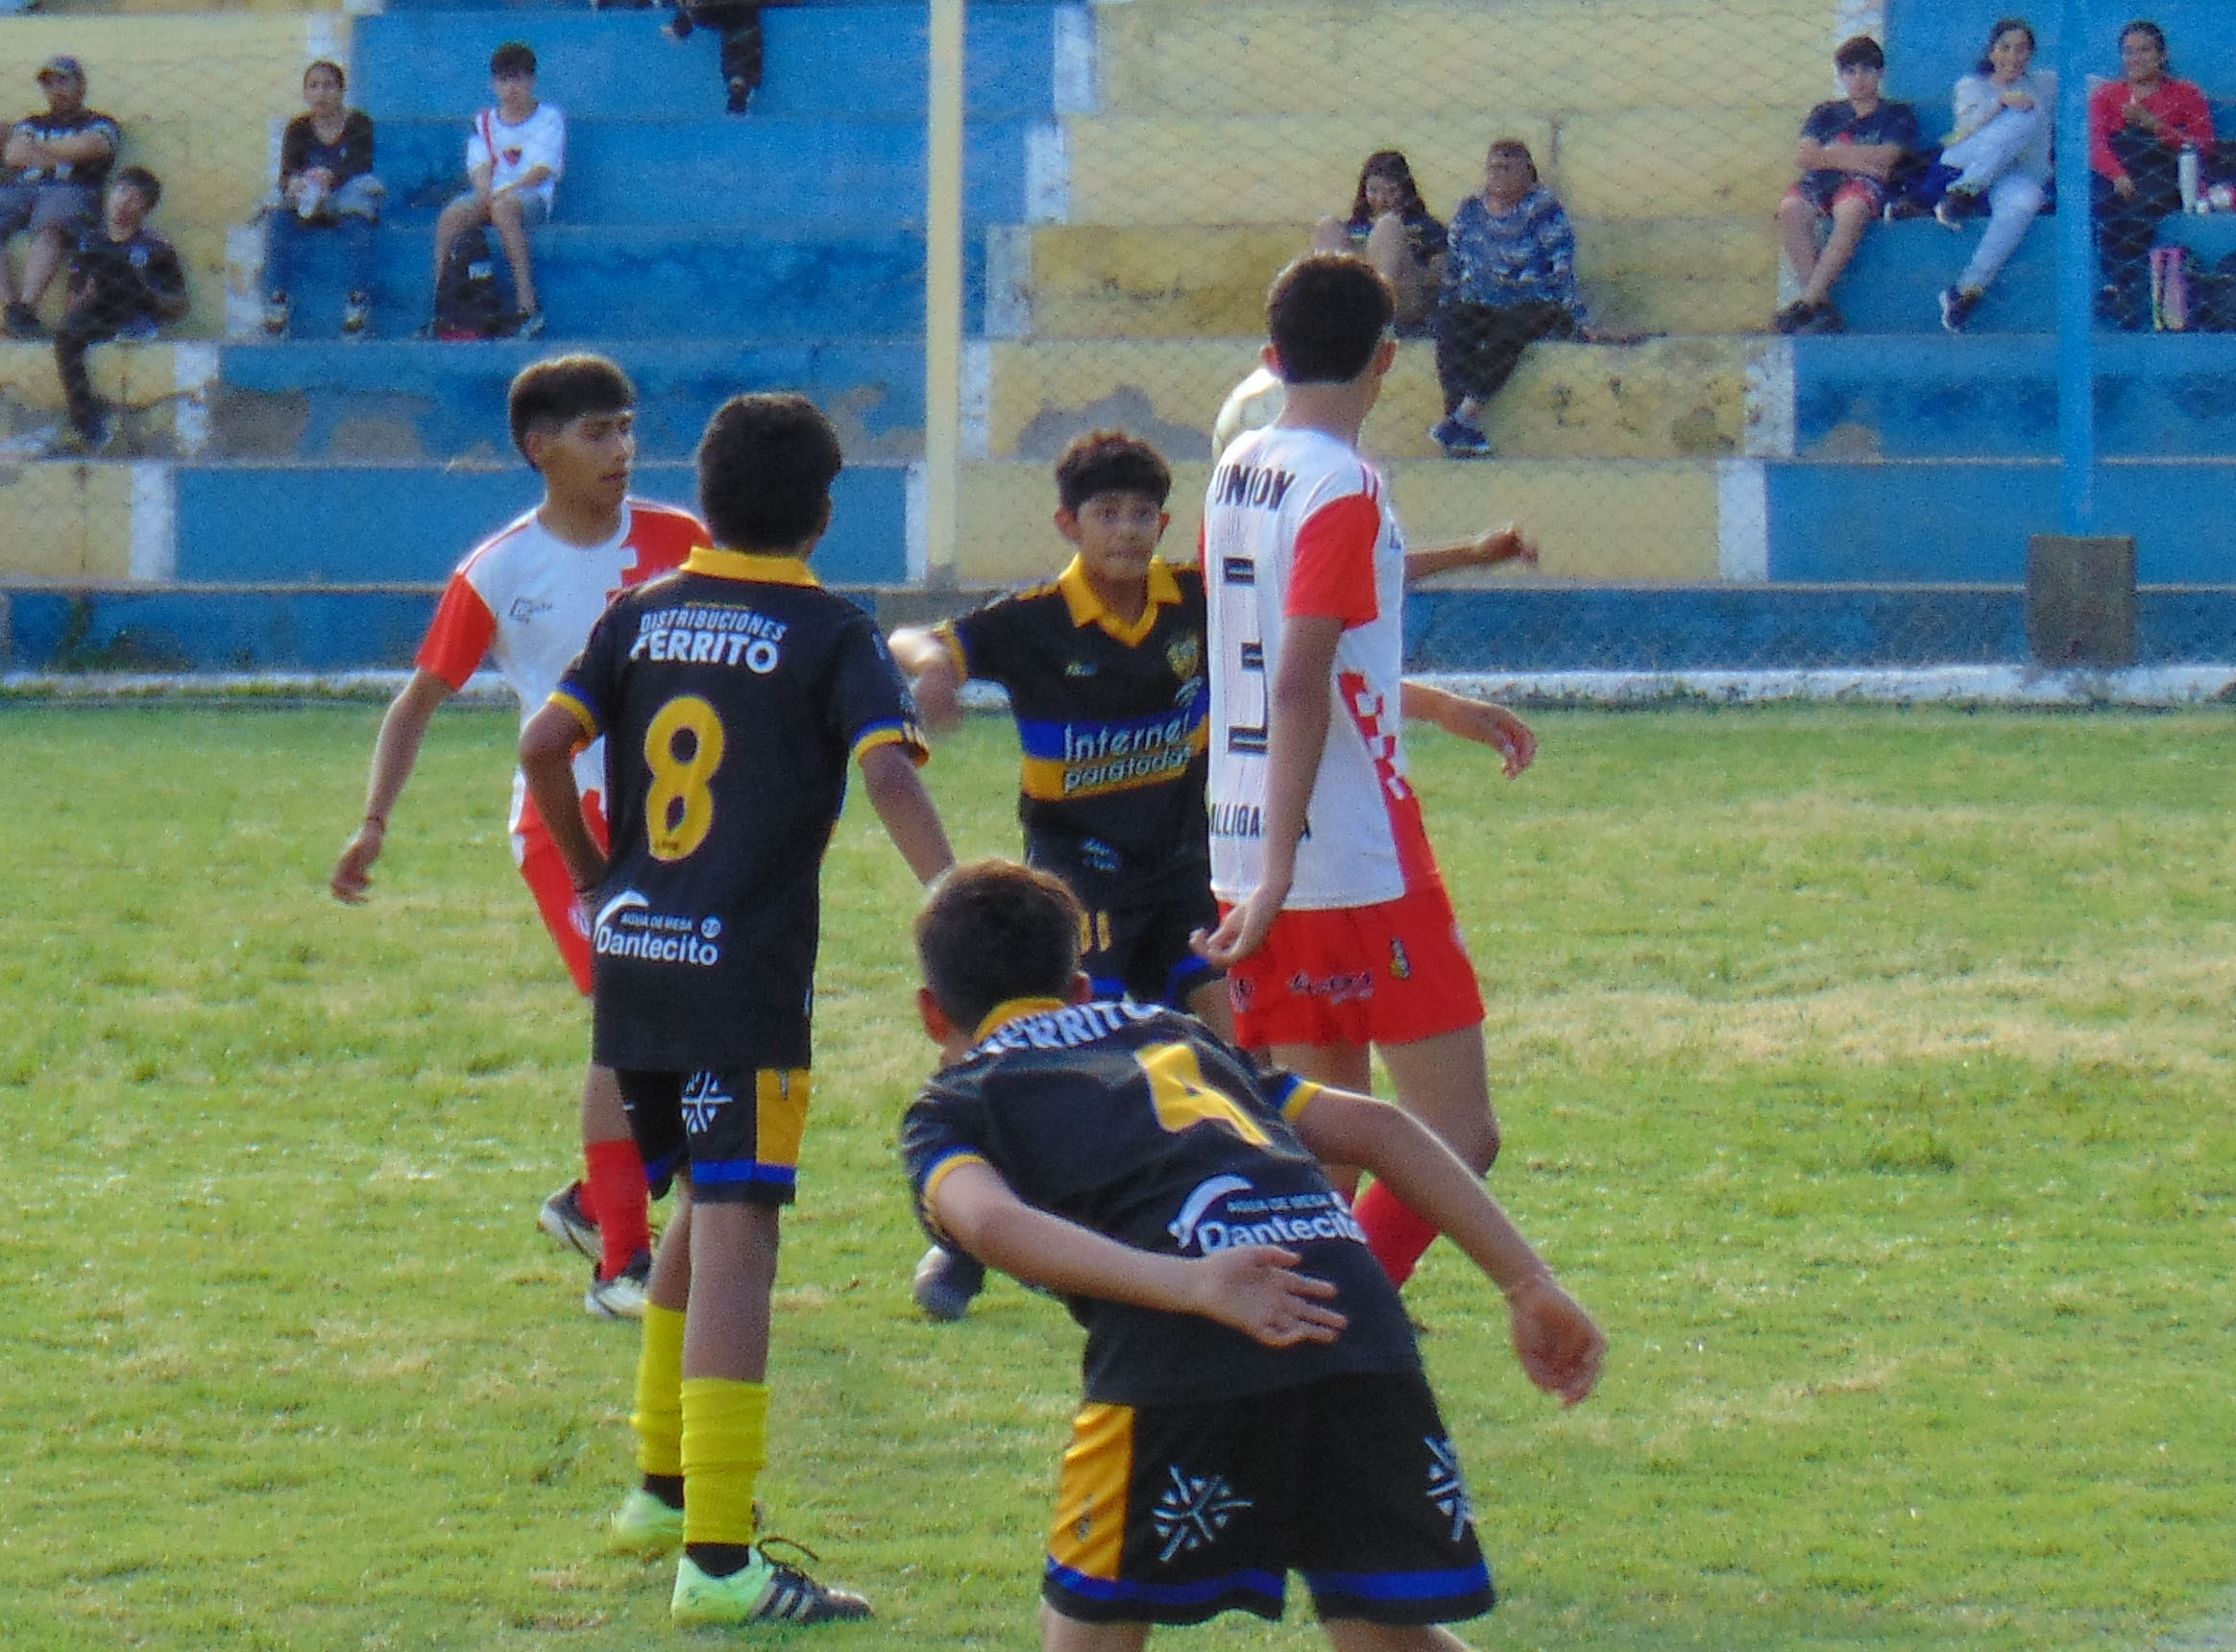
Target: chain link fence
{"x":1578,"y":202}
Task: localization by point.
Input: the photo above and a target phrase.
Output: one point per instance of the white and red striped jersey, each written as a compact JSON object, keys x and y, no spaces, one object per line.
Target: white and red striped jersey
{"x":525,"y":599}
{"x":1296,"y":523}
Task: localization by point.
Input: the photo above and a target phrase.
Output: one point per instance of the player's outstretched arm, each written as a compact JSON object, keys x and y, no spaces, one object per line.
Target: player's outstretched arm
{"x":888,"y":774}
{"x":1505,"y":542}
{"x":1560,"y":1347}
{"x":393,"y":755}
{"x":1478,"y":720}
{"x":1254,"y":1289}
{"x":932,"y":676}
{"x":547,"y":747}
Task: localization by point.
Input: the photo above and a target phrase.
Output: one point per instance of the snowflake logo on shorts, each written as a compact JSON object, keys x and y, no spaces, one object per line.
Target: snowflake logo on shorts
{"x":703,"y":1097}
{"x":1191,"y":1512}
{"x":1446,"y":1490}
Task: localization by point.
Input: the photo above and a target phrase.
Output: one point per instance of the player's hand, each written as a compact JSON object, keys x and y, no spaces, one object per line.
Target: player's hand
{"x":1244,"y":930}
{"x":1505,"y":542}
{"x":1494,"y":726}
{"x":1257,"y":1290}
{"x":938,"y":702}
{"x":1560,"y":1348}
{"x":353,"y":871}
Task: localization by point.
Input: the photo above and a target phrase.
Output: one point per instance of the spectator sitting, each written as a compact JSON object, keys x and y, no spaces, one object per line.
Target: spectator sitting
{"x":2000,"y":149}
{"x":1390,"y":227}
{"x":1850,"y":149}
{"x":326,"y":182}
{"x":1510,"y":279}
{"x":2137,"y":127}
{"x":54,"y":163}
{"x":124,"y":279}
{"x":514,"y":157}
{"x":740,"y":26}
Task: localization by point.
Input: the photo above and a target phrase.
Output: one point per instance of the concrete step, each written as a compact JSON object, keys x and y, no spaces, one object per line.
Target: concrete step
{"x":1668,"y":399}
{"x":849,"y":174}
{"x":400,"y":401}
{"x":1208,"y":169}
{"x":606,"y":282}
{"x":2159,"y":395}
{"x":1177,"y":280}
{"x":1456,"y":61}
{"x":823,"y":62}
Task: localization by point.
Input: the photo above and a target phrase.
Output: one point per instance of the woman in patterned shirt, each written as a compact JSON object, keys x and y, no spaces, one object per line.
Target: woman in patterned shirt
{"x":1510,"y":279}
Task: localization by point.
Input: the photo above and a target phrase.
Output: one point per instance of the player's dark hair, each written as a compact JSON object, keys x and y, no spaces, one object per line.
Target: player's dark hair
{"x":2002,"y":26}
{"x":1389,"y":164}
{"x":1326,"y":316}
{"x":139,"y":178}
{"x":2156,"y":35}
{"x":1859,"y":51}
{"x":766,"y":465}
{"x":1514,"y":149}
{"x":513,"y":58}
{"x":993,"y":931}
{"x":1110,"y":462}
{"x":546,"y":395}
{"x":341,"y":80}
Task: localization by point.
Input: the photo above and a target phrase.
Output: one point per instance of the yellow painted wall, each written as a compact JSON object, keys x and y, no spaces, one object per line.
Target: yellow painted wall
{"x":197,"y":97}
{"x":1613,"y":522}
{"x":143,"y":377}
{"x":1678,"y":397}
{"x":65,"y":521}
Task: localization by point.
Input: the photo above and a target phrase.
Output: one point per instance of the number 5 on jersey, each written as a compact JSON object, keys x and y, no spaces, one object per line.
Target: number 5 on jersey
{"x":684,"y":747}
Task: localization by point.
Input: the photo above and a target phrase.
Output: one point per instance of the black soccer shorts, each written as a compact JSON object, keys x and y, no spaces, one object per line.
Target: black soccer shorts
{"x":734,"y":1132}
{"x":1141,"y":950}
{"x":1172,"y":1514}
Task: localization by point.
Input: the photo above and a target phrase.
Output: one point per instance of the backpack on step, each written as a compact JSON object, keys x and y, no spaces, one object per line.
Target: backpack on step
{"x":467,"y":302}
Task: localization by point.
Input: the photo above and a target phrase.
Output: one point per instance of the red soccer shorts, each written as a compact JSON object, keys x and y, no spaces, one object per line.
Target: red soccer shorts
{"x":548,"y":881}
{"x":1386,"y":974}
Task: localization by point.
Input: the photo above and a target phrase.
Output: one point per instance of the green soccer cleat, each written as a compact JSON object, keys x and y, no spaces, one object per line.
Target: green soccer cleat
{"x":644,"y":1526}
{"x":763,"y":1590}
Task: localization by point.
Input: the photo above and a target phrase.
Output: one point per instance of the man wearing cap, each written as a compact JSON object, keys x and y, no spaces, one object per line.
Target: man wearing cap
{"x":51,"y":172}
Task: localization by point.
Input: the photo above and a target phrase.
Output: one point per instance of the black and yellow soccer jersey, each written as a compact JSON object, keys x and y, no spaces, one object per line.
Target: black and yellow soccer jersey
{"x":1140,"y":1124}
{"x":733,"y":696}
{"x":1112,"y":721}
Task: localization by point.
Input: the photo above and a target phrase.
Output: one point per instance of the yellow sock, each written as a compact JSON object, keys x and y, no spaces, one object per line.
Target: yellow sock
{"x":725,"y":1446}
{"x":658,"y":1418}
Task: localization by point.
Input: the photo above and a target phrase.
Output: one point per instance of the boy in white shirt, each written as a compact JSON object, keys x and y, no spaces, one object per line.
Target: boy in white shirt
{"x":514,"y":157}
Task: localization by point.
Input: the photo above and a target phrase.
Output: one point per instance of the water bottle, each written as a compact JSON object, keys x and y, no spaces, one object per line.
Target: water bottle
{"x":2186,"y":170}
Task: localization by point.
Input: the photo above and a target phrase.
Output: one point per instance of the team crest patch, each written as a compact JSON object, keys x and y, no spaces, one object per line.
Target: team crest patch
{"x":1400,"y":966}
{"x":1193,"y":1511}
{"x":703,"y":1097}
{"x":1185,"y":656}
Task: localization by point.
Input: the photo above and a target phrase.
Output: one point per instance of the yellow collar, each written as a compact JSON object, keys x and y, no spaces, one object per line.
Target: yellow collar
{"x":743,"y":565}
{"x":1014,"y":1010}
{"x":1086,"y":608}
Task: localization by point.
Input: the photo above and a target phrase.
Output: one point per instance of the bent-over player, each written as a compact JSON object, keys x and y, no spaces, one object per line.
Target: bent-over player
{"x":1254,"y":1404}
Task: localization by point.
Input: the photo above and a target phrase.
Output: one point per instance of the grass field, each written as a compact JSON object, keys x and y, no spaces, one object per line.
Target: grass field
{"x":1869,"y":1073}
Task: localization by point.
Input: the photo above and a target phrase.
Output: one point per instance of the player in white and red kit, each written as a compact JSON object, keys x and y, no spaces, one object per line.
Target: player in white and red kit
{"x":526,"y":599}
{"x":1337,"y":933}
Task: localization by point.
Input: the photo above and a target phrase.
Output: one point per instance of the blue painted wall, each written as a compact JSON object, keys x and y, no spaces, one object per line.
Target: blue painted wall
{"x":1961,"y":522}
{"x":1931,"y":42}
{"x":364,"y":525}
{"x":1701,"y":629}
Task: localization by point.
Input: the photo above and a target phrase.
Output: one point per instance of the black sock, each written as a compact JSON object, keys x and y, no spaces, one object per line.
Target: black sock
{"x":668,"y":1488}
{"x":719,"y":1559}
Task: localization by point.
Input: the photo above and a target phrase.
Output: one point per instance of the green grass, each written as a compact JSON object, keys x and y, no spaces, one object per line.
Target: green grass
{"x":1868,"y":1072}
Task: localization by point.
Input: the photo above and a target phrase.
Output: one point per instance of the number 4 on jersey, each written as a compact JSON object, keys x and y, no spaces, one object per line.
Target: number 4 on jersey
{"x":1181,"y":1098}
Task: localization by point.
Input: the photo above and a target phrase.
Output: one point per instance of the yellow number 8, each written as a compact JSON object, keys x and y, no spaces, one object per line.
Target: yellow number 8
{"x":680,"y":811}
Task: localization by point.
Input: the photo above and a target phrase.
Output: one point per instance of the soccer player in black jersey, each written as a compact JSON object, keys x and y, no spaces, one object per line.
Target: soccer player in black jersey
{"x":1105,"y":670}
{"x":732,"y":694}
{"x":1254,"y":1404}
